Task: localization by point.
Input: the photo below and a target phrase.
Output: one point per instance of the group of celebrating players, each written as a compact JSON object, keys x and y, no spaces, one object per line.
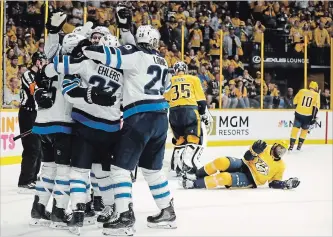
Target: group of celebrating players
{"x":103,"y":111}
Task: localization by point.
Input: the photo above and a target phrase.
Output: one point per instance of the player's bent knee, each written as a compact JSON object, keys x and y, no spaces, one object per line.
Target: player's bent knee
{"x":98,"y":171}
{"x":235,"y":164}
{"x":63,"y":169}
{"x":192,"y":139}
{"x":297,"y":124}
{"x":151,"y":175}
{"x":221,"y":164}
{"x":224,"y":179}
{"x":118,"y":174}
{"x":48,"y":170}
{"x":240,"y":180}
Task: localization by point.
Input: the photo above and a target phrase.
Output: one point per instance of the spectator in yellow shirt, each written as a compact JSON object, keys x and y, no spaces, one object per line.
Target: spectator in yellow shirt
{"x":20,"y":50}
{"x":103,"y":14}
{"x":237,"y":64}
{"x":196,"y":37}
{"x":214,"y":47}
{"x":321,"y":36}
{"x":326,"y":19}
{"x":112,"y":28}
{"x":236,"y":21}
{"x":180,"y":14}
{"x":12,"y":69}
{"x":296,"y":33}
{"x":241,"y":92}
{"x":202,"y":53}
{"x":225,"y":62}
{"x":257,"y":31}
{"x":192,"y":56}
{"x":10,"y":54}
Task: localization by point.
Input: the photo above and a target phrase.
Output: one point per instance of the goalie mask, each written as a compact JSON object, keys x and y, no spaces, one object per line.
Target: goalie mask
{"x":279,"y":149}
{"x":180,"y":67}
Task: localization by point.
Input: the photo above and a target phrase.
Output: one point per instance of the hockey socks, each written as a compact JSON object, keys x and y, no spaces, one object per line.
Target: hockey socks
{"x":45,"y":183}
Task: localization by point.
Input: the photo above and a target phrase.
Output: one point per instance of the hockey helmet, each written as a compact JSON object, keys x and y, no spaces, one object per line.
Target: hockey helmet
{"x":180,"y":66}
{"x":70,"y":41}
{"x":38,"y":56}
{"x":98,"y":33}
{"x":109,"y":40}
{"x":147,"y":34}
{"x":313,"y":85}
{"x":279,"y":149}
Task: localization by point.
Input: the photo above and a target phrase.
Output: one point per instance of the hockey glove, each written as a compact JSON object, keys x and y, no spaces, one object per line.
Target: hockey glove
{"x":292,"y":183}
{"x":124,"y":18}
{"x":207,"y":119}
{"x":313,"y":121}
{"x":100,"y":97}
{"x":42,"y":99}
{"x":55,"y":22}
{"x":258,"y":147}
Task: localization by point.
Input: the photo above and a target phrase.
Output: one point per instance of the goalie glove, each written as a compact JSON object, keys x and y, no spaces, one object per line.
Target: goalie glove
{"x":42,"y":99}
{"x":124,"y":17}
{"x":292,"y":183}
{"x":100,"y":97}
{"x":55,"y":22}
{"x":207,"y":119}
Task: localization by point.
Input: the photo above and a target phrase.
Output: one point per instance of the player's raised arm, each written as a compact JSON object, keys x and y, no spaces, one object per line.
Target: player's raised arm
{"x":117,"y":57}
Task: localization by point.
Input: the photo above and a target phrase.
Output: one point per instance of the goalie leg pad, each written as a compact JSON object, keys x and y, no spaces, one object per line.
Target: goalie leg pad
{"x":61,"y":186}
{"x":176,"y":157}
{"x":45,"y":183}
{"x":122,"y":188}
{"x":158,"y":185}
{"x":79,"y":182}
{"x":191,"y":157}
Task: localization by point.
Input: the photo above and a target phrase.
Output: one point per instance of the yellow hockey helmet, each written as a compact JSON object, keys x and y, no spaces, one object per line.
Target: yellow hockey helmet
{"x":279,"y":149}
{"x":313,"y":85}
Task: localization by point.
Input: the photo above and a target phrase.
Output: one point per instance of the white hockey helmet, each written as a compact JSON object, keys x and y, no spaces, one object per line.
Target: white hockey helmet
{"x":180,"y":66}
{"x":70,"y":41}
{"x":148,"y":35}
{"x":109,"y":40}
{"x":98,"y":33}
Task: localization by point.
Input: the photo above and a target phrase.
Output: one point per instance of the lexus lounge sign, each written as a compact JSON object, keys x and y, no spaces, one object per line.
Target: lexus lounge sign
{"x":273,"y":62}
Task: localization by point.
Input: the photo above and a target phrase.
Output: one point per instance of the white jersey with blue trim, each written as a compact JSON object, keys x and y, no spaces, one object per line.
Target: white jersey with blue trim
{"x":56,"y":119}
{"x":145,"y":75}
{"x":106,"y":118}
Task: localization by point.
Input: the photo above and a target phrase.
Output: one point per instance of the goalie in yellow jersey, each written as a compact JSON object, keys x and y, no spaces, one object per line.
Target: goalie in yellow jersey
{"x":188,"y":107}
{"x":260,"y":164}
{"x":307,"y":103}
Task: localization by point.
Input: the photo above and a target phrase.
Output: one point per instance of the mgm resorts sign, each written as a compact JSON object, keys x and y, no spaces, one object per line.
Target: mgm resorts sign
{"x":280,"y":62}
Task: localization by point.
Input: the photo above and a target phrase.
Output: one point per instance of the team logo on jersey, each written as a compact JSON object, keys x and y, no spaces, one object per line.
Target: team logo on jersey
{"x":262,"y":167}
{"x":58,"y":152}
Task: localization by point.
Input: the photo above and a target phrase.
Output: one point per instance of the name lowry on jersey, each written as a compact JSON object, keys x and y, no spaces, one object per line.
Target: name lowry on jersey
{"x":108,"y":72}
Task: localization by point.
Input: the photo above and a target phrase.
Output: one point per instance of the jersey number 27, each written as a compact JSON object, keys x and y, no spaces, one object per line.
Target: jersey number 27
{"x":158,"y":79}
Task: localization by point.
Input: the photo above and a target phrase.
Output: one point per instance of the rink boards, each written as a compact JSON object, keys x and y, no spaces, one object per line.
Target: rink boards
{"x":230,"y":128}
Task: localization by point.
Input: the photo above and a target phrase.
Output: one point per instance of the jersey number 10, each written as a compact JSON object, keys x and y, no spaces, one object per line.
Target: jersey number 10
{"x":307,"y":101}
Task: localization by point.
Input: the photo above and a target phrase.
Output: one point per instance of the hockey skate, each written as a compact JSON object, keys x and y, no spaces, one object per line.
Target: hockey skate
{"x":106,"y":215}
{"x":59,"y":218}
{"x":98,"y":203}
{"x":39,"y":215}
{"x":27,"y":188}
{"x":166,"y":219}
{"x":291,"y":147}
{"x":89,"y":214}
{"x":122,"y":224}
{"x":299,"y":146}
{"x":76,"y":221}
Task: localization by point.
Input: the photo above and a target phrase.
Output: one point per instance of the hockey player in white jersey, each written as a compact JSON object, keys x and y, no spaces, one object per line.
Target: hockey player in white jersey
{"x":144,"y":130}
{"x":97,"y":125}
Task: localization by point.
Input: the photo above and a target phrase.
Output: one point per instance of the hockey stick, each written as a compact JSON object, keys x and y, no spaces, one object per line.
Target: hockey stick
{"x":313,"y":125}
{"x":22,"y":135}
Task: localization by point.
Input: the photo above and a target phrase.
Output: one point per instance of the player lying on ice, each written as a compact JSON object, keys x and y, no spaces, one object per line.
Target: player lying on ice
{"x":261,"y":163}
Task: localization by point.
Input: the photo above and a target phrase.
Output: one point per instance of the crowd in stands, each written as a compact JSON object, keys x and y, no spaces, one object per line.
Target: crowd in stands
{"x":242,"y":24}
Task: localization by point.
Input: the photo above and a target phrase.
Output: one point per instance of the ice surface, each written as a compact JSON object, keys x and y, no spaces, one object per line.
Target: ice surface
{"x":306,"y":210}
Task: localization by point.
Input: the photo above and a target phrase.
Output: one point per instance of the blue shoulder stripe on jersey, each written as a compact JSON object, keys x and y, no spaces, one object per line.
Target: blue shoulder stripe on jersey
{"x":118,"y":58}
{"x":69,"y":87}
{"x":55,"y":63}
{"x":51,"y":129}
{"x":66,"y":65}
{"x":94,"y":124}
{"x":108,"y":55}
{"x":145,"y":108}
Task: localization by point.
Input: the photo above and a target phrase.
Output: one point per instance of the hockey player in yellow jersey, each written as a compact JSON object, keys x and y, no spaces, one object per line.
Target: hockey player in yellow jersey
{"x":260,"y":164}
{"x":188,"y":108}
{"x":307,"y":103}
